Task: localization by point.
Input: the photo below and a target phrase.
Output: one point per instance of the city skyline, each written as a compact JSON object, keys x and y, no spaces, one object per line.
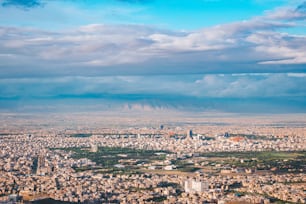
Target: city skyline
{"x":152,"y":101}
{"x":204,"y":55}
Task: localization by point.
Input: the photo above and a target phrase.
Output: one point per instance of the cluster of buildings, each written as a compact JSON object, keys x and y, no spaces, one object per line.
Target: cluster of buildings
{"x":35,"y":166}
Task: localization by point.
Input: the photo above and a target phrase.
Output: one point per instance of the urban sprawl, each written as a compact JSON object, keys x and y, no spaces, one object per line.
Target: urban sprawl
{"x":251,"y":161}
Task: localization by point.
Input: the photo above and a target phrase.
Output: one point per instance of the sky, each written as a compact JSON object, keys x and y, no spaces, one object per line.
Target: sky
{"x":188,"y":55}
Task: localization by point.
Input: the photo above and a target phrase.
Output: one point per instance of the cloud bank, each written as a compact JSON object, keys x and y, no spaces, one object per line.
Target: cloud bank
{"x":21,"y":3}
{"x":245,"y":92}
{"x":254,"y":45}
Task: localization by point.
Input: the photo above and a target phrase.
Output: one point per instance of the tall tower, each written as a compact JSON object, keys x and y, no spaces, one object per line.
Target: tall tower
{"x":161,"y":127}
{"x":93,"y":146}
{"x":189,"y":133}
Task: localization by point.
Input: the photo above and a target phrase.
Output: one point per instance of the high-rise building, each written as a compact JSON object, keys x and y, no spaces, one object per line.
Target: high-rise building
{"x":193,"y":186}
{"x":93,"y":145}
{"x":189,"y":134}
{"x":94,"y":148}
{"x":161,"y":127}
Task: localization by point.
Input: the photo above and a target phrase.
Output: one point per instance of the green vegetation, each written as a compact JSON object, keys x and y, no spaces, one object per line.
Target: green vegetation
{"x":49,"y":201}
{"x":279,"y":162}
{"x":107,"y":157}
{"x":209,"y":138}
{"x":189,"y":169}
{"x":81,"y":135}
{"x":134,"y":189}
{"x":184,"y":166}
{"x":157,"y":199}
{"x":272,"y":199}
{"x":130,"y":170}
{"x":165,"y":184}
{"x":254,"y":137}
{"x":267,"y":155}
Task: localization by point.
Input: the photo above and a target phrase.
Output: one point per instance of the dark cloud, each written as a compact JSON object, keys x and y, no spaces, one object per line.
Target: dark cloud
{"x":248,"y":92}
{"x":246,"y":85}
{"x":26,"y":4}
{"x":136,"y":1}
{"x":22,"y":3}
{"x":301,"y":8}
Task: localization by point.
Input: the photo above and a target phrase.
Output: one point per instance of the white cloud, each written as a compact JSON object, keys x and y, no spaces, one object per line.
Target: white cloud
{"x":297,"y":75}
{"x":288,"y":14}
{"x":251,"y":85}
{"x":282,"y":48}
{"x":98,"y":49}
{"x":213,"y":85}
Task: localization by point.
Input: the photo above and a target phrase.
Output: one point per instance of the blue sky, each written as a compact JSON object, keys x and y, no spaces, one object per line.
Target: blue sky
{"x":171,"y":14}
{"x":200,"y":54}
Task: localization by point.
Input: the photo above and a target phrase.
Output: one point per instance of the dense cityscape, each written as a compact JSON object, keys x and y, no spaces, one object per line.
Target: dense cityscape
{"x":152,"y":101}
{"x":233,"y":161}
